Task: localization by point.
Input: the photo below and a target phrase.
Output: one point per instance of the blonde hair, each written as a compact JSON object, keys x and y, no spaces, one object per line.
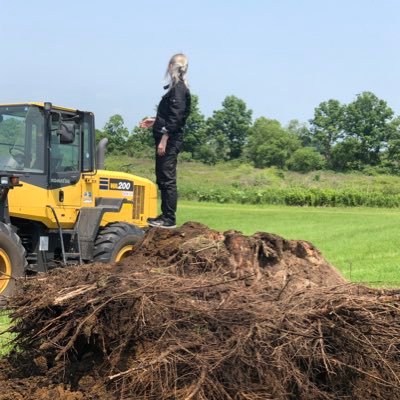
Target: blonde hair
{"x":177,"y":69}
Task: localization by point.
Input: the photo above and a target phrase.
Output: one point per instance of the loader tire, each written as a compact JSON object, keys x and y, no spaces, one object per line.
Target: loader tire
{"x":12,"y":260}
{"x":116,"y":241}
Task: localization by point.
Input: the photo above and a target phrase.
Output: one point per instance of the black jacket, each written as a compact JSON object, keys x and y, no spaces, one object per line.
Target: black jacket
{"x":173,"y":110}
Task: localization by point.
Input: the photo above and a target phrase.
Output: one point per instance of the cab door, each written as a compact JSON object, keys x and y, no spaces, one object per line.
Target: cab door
{"x":65,"y":161}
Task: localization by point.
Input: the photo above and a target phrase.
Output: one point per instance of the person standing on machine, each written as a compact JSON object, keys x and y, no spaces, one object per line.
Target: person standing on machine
{"x":172,"y":113}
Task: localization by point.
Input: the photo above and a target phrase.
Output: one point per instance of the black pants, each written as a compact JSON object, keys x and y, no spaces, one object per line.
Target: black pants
{"x":166,"y":177}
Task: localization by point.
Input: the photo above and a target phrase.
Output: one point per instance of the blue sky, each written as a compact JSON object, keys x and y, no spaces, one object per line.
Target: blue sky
{"x":281,"y":57}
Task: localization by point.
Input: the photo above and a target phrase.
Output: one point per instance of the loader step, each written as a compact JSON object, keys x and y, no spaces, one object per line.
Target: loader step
{"x":72,"y":255}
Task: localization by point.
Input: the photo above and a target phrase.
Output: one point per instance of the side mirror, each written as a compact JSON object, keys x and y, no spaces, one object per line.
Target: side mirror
{"x":67,"y":133}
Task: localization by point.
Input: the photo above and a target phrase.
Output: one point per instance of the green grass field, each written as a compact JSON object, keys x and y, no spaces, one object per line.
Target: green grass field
{"x":363,"y":243}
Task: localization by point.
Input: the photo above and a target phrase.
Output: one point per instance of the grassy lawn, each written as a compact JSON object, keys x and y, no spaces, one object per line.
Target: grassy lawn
{"x":361,"y":242}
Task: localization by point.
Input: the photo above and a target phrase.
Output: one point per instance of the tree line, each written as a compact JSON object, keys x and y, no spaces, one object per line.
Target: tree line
{"x":363,"y":135}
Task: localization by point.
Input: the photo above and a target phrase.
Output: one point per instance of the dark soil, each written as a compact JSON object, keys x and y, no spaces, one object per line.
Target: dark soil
{"x":198,"y":314}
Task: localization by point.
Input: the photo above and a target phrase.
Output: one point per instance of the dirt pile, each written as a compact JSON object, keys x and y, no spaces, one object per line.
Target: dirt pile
{"x":197,"y":314}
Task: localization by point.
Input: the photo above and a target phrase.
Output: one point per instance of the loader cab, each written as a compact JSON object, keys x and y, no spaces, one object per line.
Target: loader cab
{"x":71,"y":146}
{"x":49,"y":146}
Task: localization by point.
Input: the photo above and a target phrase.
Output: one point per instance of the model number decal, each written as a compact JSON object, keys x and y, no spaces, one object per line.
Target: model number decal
{"x":119,"y":184}
{"x":124,"y":185}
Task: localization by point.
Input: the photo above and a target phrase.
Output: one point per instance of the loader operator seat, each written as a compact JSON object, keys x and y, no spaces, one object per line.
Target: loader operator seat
{"x":9,"y":162}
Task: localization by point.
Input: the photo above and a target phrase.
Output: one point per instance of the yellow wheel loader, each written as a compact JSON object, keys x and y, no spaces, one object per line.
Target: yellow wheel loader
{"x":58,"y":205}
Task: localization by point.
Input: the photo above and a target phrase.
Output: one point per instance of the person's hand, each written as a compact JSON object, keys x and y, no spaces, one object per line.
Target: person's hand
{"x":162,"y":146}
{"x":147,"y":122}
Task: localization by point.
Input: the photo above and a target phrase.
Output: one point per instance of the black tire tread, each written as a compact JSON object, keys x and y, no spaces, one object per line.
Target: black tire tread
{"x":109,"y":236}
{"x":19,"y":270}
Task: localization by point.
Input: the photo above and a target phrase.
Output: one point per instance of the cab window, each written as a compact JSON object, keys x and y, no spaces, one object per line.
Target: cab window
{"x":87,"y":154}
{"x":64,"y":157}
{"x":22,"y":145}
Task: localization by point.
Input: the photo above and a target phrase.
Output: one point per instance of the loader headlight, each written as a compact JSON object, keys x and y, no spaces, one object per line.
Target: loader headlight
{"x":4,"y":180}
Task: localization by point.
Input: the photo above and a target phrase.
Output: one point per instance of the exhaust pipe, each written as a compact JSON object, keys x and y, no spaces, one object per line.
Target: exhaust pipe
{"x":101,"y":153}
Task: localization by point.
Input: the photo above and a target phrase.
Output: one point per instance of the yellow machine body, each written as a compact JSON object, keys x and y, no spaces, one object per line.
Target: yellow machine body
{"x":30,"y":201}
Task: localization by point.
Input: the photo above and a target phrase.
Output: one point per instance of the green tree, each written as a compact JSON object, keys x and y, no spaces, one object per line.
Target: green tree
{"x":306,"y":159}
{"x":392,"y":155}
{"x":194,"y":131}
{"x":140,"y":143}
{"x":99,"y":135}
{"x":301,"y":130}
{"x":346,"y":155}
{"x":117,"y":134}
{"x":228,"y":128}
{"x":270,"y":144}
{"x":207,"y":154}
{"x":371,"y":122}
{"x":327,"y":127}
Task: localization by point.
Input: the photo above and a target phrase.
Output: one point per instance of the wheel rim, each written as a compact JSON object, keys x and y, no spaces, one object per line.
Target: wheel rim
{"x":5,"y":270}
{"x":124,"y":252}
